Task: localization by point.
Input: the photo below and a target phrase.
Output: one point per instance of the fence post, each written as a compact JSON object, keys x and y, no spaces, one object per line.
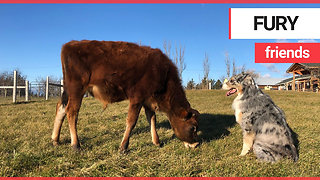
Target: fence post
{"x":14,"y":93}
{"x":27,"y":91}
{"x":61,"y":87}
{"x":47,"y":88}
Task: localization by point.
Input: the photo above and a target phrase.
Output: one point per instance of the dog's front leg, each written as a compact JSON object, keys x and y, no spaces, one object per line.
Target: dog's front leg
{"x":248,"y":138}
{"x":238,"y":115}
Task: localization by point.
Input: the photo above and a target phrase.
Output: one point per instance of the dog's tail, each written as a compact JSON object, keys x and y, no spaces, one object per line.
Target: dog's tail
{"x":289,"y":151}
{"x":264,"y":153}
{"x":273,"y":153}
{"x":293,"y":153}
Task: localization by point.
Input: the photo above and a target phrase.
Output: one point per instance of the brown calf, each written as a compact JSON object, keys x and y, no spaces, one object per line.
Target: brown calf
{"x":115,"y":71}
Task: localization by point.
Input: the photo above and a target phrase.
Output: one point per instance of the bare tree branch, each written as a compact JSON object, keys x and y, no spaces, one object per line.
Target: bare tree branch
{"x":227,"y":62}
{"x":234,"y":68}
{"x":206,"y":66}
{"x":167,"y":48}
{"x":181,"y":64}
{"x":178,"y":56}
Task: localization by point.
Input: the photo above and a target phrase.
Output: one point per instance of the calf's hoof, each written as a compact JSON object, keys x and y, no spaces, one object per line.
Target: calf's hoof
{"x":123,"y":151}
{"x":76,"y":147}
{"x":55,"y":143}
{"x":160,"y":145}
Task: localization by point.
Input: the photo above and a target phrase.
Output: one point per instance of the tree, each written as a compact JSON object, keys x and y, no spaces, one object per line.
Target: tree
{"x":217,"y":85}
{"x":206,"y":67}
{"x":234,"y":68}
{"x":227,"y":62}
{"x":167,"y":48}
{"x":191,"y":84}
{"x":204,"y":84}
{"x":178,"y":56}
{"x":180,"y":60}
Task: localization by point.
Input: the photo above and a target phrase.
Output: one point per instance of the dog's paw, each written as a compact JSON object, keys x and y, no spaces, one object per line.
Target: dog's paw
{"x":243,"y":153}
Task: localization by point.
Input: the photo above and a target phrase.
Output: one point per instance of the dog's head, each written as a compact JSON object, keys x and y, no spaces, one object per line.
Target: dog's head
{"x":236,"y":84}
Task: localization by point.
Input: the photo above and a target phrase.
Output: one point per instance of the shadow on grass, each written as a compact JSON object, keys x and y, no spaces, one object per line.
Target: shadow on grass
{"x":215,"y":126}
{"x":144,"y":129}
{"x":21,"y":102}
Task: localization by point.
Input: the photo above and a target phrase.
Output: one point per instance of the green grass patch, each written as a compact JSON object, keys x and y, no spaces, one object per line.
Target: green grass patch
{"x":26,"y":149}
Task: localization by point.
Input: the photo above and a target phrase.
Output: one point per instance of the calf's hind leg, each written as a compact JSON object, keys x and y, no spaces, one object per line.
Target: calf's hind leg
{"x":73,"y":108}
{"x":60,"y":115}
{"x":151,"y":117}
{"x":133,"y":114}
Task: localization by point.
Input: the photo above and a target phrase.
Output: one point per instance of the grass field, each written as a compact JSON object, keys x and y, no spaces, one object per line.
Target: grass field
{"x":26,"y":149}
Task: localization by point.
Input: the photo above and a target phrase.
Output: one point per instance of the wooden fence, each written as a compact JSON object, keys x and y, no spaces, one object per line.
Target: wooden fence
{"x":26,"y":87}
{"x":15,"y":87}
{"x":52,"y":84}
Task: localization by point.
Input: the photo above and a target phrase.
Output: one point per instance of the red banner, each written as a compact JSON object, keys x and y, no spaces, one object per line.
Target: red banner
{"x":287,"y":52}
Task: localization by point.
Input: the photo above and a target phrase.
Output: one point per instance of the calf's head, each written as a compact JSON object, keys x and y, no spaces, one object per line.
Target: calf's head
{"x":185,"y":127}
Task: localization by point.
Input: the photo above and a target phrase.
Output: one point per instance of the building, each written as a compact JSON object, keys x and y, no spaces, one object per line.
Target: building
{"x":269,"y":83}
{"x":305,"y":77}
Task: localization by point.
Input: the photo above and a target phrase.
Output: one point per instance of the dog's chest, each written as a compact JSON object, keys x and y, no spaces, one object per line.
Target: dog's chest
{"x":236,"y":106}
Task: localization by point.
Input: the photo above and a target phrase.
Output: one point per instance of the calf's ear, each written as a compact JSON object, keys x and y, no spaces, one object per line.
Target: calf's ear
{"x":189,"y":114}
{"x":186,"y":115}
{"x":194,"y":112}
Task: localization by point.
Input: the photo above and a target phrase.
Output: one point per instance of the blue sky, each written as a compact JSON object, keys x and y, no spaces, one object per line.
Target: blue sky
{"x":31,"y":35}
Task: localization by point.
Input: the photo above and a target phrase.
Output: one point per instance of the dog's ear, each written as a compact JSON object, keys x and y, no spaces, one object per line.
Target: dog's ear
{"x":247,"y":81}
{"x":241,"y":77}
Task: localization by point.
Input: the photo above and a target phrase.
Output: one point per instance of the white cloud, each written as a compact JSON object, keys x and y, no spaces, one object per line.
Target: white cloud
{"x":271,"y":67}
{"x":286,"y":75}
{"x":266,"y":76}
{"x":282,"y":41}
{"x":307,"y":41}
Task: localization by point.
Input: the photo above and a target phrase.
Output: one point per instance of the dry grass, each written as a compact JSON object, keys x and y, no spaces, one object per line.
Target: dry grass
{"x":26,"y":150}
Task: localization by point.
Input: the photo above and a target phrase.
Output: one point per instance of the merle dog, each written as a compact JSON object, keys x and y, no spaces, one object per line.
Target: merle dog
{"x":263,"y":123}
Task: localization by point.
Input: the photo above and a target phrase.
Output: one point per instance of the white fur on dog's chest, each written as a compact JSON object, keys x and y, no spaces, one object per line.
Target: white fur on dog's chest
{"x":236,"y":105}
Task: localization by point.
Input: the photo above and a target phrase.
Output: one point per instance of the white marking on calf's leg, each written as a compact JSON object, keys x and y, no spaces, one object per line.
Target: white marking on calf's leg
{"x":60,"y":115}
{"x":151,"y":117}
